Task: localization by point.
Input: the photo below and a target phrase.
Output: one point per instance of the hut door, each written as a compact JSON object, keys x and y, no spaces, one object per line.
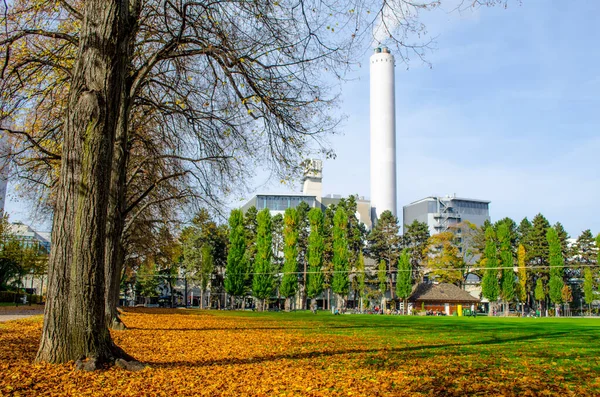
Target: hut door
{"x":447,"y":307}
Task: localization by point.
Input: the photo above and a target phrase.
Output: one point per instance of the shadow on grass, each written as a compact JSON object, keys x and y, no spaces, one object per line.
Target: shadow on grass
{"x":333,"y":353}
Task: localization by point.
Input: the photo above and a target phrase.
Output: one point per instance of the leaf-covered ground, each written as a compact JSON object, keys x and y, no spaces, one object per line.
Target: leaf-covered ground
{"x":276,"y":354}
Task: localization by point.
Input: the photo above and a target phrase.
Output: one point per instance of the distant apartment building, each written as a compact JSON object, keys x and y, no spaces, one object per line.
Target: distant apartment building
{"x":444,"y":213}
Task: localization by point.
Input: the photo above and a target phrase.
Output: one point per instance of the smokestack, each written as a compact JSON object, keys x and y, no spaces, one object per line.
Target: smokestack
{"x":383,"y":133}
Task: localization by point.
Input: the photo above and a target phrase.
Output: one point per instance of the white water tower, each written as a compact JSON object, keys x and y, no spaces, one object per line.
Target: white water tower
{"x":383,"y":133}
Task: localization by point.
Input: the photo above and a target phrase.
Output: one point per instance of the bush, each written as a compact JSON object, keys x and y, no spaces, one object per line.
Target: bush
{"x":10,"y":297}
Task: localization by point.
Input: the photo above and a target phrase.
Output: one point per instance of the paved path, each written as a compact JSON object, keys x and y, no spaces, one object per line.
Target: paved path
{"x":10,"y":317}
{"x":18,"y":314}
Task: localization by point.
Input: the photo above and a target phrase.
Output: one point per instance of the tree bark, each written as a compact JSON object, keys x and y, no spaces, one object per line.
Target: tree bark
{"x":287,"y":304}
{"x":75,"y":323}
{"x":115,"y":252}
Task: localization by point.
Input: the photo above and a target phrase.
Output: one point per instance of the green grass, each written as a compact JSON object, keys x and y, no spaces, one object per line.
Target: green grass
{"x":565,"y":349}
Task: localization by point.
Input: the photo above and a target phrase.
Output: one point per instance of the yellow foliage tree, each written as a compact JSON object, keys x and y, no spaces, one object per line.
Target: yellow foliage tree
{"x":443,"y":258}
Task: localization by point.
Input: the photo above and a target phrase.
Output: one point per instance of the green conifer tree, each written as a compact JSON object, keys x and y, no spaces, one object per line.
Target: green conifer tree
{"x":289,"y":282}
{"x":489,"y":283}
{"x":236,"y":270}
{"x":340,"y":283}
{"x":415,"y":238}
{"x":263,"y":281}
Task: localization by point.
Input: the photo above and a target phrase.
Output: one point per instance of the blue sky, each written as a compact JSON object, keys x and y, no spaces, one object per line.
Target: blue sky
{"x":509,"y":112}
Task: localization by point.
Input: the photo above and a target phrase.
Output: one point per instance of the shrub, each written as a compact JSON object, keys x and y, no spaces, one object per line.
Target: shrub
{"x":10,"y":296}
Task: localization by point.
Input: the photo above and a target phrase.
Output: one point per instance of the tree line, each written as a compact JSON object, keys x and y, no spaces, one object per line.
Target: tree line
{"x":310,"y":253}
{"x":307,"y":252}
{"x":550,"y":271}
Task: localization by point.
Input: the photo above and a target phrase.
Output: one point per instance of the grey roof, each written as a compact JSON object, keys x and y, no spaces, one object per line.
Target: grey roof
{"x":448,"y":198}
{"x":441,"y":293}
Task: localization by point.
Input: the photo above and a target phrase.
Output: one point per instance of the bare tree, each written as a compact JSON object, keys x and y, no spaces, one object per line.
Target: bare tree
{"x":233,"y":81}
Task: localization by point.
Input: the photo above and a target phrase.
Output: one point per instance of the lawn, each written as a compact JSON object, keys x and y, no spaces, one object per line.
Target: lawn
{"x":287,"y":354}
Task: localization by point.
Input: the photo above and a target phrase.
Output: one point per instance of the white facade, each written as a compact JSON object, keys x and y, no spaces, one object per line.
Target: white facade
{"x":383,"y":133}
{"x":312,"y":182}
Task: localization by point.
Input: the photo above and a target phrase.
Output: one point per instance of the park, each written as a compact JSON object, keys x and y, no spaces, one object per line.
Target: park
{"x":139,"y":256}
{"x":213,"y":353}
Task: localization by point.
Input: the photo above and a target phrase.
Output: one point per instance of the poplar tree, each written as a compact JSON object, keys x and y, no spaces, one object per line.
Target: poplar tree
{"x":404,"y":278}
{"x":328,"y":250}
{"x":235,"y":272}
{"x":588,"y":288}
{"x":303,"y":232}
{"x":556,"y":267}
{"x":263,"y":280}
{"x":506,"y":258}
{"x":382,"y":278}
{"x":522,"y":277}
{"x":489,"y":283}
{"x":360,"y":277}
{"x":340,"y":283}
{"x":315,"y":255}
{"x":540,"y":292}
{"x":289,"y":282}
{"x":250,"y":226}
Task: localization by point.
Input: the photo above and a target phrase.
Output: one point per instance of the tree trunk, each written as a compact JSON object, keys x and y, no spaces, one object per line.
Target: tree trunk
{"x":303,"y":294}
{"x":287,"y":304}
{"x":232,"y":299}
{"x":75,"y":322}
{"x":201,"y":299}
{"x":115,"y":252}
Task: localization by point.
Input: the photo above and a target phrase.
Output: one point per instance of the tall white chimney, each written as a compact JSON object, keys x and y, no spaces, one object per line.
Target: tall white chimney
{"x":383,"y":134}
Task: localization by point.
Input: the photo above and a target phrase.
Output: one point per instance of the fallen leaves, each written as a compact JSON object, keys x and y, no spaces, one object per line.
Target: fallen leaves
{"x":236,"y":354}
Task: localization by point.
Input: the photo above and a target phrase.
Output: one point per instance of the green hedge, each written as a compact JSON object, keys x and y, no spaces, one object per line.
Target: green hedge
{"x":9,"y":296}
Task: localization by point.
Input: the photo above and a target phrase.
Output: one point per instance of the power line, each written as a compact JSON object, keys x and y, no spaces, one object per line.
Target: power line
{"x":467,"y":269}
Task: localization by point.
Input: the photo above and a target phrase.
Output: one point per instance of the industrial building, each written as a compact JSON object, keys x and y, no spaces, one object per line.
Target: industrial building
{"x":312,"y":194}
{"x":443,"y":213}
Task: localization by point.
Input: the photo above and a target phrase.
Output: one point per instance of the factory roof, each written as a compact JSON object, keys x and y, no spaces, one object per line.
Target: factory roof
{"x":298,"y":194}
{"x":449,"y":198}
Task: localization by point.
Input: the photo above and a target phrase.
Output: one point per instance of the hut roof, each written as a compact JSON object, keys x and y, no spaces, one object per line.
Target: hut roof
{"x":440,"y":292}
